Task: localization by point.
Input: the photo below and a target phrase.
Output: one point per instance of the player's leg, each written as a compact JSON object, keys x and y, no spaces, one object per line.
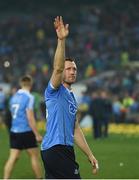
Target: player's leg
{"x":48,"y":173}
{"x":35,"y":161}
{"x":30,"y":145}
{"x":14,"y":155}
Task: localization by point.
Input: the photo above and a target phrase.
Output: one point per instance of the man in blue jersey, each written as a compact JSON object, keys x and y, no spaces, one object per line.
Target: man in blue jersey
{"x":23,"y":132}
{"x":62,"y":125}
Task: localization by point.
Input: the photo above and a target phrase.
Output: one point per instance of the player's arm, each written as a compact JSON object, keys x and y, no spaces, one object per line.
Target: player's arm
{"x":82,"y":144}
{"x":32,"y":123}
{"x":31,"y":119}
{"x":59,"y":58}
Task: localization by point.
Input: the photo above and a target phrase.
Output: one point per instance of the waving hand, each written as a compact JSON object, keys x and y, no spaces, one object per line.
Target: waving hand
{"x":61,"y":29}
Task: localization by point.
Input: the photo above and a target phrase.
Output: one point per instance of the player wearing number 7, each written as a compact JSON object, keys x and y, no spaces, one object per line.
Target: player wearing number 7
{"x":23,"y":132}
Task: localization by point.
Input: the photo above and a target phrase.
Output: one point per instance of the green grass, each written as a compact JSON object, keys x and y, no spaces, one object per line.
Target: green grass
{"x":118,"y":157}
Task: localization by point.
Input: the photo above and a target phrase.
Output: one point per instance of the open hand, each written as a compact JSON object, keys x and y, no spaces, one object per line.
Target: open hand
{"x":61,"y":29}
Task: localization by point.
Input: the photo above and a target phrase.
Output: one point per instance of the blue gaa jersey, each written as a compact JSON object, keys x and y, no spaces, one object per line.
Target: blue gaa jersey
{"x":61,"y":116}
{"x":19,"y":103}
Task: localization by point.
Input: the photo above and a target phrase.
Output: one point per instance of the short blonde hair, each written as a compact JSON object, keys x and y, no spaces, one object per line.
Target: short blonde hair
{"x":26,"y":81}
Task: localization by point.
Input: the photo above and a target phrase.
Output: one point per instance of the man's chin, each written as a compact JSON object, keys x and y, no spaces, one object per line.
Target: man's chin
{"x":70,"y":82}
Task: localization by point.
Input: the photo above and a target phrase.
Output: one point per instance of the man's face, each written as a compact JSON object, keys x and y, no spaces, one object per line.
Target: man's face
{"x":70,"y":71}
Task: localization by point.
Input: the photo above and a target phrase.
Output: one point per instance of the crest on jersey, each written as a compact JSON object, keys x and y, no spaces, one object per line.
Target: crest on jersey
{"x":72,"y":108}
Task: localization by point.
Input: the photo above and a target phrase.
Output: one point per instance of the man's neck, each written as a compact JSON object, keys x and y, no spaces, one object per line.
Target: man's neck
{"x":26,"y":89}
{"x":66,"y":85}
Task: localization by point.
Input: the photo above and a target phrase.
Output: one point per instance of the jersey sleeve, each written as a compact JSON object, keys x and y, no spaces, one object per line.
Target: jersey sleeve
{"x":50,"y":88}
{"x":30,"y":104}
{"x":51,"y":92}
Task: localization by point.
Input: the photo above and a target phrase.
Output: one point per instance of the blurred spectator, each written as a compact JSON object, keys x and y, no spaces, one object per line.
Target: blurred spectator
{"x":96,"y":112}
{"x":83,"y":105}
{"x":117,"y":107}
{"x":37,"y":105}
{"x":107,"y":112}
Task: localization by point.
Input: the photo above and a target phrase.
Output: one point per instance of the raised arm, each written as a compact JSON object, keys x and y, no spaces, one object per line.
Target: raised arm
{"x":59,"y":58}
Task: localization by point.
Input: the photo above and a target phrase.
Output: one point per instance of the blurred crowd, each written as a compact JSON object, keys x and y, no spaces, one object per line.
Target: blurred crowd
{"x":122,"y":90}
{"x":104,"y":35}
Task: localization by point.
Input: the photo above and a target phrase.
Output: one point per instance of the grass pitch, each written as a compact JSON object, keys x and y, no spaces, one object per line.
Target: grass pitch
{"x":118,"y":157}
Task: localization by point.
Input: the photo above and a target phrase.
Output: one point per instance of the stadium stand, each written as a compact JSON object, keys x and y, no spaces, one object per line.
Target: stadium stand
{"x":104,"y":36}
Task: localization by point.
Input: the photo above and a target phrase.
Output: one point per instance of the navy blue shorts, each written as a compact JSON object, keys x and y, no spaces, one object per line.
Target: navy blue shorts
{"x":23,"y":140}
{"x":59,"y":163}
